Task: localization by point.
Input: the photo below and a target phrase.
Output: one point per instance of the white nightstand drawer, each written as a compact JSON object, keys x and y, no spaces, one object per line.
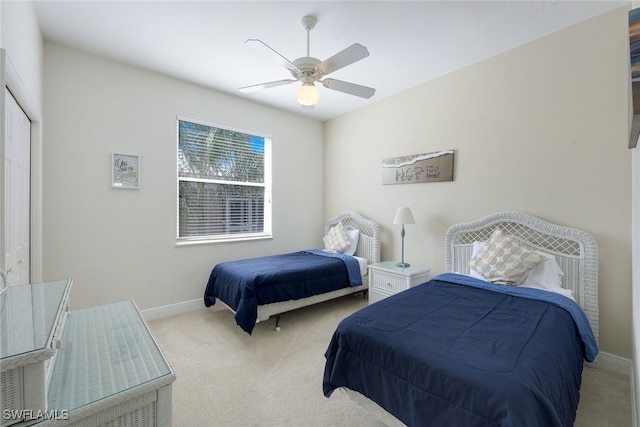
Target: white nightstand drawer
{"x":388,"y":283}
{"x":375,"y":296}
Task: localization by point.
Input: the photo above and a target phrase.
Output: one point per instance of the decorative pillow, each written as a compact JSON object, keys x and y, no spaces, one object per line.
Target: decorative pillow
{"x":353,"y":234}
{"x":503,"y":261}
{"x":337,"y":239}
{"x":546,"y":276}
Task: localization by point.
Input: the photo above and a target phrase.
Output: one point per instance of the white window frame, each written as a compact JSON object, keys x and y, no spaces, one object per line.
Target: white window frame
{"x":266,"y":233}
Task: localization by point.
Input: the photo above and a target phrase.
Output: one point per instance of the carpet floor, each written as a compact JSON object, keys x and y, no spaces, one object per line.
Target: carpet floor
{"x":226,"y":377}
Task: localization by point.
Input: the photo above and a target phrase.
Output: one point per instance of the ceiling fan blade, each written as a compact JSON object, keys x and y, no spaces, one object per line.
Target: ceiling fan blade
{"x":260,"y":45}
{"x":350,"y":88}
{"x":348,"y":56}
{"x":268,"y":85}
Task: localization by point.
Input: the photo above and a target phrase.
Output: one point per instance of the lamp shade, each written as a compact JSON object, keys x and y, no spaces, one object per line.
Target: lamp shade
{"x":404,"y":216}
{"x":308,"y":94}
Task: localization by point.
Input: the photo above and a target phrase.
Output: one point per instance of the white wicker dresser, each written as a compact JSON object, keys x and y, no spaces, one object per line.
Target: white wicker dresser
{"x":108,"y":371}
{"x":32,"y":319}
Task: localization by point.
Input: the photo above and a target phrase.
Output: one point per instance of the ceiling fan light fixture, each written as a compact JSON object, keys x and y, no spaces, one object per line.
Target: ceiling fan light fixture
{"x":308,"y":94}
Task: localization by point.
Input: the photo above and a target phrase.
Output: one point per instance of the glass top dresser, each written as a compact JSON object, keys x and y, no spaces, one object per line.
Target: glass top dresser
{"x":32,"y":319}
{"x":108,"y":371}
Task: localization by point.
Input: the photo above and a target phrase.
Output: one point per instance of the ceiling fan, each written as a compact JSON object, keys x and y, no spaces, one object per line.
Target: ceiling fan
{"x":310,"y":70}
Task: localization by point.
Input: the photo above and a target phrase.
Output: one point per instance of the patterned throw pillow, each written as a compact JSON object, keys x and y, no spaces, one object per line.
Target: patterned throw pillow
{"x":503,"y":261}
{"x":337,"y":240}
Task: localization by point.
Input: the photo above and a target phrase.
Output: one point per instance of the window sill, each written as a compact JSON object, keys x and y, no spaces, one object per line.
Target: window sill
{"x":234,"y":239}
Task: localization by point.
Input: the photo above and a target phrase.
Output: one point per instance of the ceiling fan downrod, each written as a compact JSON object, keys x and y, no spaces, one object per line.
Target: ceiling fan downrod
{"x":309,"y":23}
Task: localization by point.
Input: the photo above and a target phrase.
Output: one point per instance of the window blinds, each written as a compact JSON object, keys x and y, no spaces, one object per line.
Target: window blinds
{"x":221,"y":182}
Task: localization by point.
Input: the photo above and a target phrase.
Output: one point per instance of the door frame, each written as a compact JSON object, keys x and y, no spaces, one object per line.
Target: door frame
{"x":10,"y":78}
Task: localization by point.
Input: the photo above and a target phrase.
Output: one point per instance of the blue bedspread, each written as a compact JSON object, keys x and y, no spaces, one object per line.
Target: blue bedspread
{"x":457,"y":351}
{"x":245,"y":284}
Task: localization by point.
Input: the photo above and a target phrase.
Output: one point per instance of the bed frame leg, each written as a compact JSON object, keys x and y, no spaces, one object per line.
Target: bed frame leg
{"x":365,"y":292}
{"x":277,"y":327}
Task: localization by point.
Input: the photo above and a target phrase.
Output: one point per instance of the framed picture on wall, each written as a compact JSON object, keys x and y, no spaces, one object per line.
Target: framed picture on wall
{"x":428,"y":167}
{"x":125,"y":171}
{"x":634,"y":52}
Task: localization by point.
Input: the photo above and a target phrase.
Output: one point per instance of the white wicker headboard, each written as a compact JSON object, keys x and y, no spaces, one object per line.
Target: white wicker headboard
{"x":575,"y":250}
{"x":369,"y":240}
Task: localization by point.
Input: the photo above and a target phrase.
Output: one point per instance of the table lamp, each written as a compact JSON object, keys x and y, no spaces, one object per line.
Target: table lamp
{"x":403,"y":216}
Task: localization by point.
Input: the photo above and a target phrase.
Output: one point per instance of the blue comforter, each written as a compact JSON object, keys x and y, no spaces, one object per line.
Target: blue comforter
{"x":245,"y":284}
{"x":457,"y":351}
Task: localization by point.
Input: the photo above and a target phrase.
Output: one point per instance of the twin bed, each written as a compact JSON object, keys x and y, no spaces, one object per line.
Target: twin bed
{"x":259,"y":288}
{"x":458,"y":349}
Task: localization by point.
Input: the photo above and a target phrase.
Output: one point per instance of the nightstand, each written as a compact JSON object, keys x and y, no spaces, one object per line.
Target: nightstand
{"x":386,"y":279}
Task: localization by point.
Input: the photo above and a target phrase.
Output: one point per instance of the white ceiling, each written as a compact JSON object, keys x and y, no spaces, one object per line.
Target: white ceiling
{"x":409,"y":42}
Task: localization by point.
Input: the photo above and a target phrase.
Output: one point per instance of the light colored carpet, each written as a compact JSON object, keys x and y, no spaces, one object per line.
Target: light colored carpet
{"x":227,"y":378}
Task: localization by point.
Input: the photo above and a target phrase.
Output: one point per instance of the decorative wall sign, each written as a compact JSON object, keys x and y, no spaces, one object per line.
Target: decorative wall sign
{"x":428,"y":167}
{"x":634,"y":51}
{"x":125,"y":171}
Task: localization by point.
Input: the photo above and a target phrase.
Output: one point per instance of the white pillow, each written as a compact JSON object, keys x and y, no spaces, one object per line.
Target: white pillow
{"x":336,"y":239}
{"x":353,"y":234}
{"x":548,"y":276}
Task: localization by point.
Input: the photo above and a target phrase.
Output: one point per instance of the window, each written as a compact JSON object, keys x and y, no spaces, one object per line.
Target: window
{"x":224,"y":183}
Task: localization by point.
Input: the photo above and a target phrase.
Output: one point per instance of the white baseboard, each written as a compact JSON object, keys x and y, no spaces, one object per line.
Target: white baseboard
{"x":614,"y":363}
{"x":173,"y":309}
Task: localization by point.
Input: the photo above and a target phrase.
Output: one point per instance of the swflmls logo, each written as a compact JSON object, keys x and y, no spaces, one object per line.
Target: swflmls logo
{"x":30,"y":414}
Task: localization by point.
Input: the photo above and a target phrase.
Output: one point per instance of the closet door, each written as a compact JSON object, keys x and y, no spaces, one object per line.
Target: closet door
{"x":17,"y":191}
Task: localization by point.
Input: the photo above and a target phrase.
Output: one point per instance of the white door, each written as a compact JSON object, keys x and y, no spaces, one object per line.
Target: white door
{"x":17,"y":191}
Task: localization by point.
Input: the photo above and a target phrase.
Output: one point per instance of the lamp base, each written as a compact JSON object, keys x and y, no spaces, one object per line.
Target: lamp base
{"x":403,"y":264}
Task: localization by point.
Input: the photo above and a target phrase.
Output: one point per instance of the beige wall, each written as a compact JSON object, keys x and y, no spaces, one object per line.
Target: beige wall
{"x":120,"y":244}
{"x":635,"y":307}
{"x":20,"y":37}
{"x":541,"y":128}
{"x":635,"y":265}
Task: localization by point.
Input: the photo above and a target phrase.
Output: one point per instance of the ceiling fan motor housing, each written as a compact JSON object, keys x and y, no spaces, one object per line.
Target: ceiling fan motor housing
{"x":307,"y":70}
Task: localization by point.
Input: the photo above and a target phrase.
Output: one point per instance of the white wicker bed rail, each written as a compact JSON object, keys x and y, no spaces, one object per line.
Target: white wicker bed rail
{"x":368,"y":247}
{"x":575,"y":250}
